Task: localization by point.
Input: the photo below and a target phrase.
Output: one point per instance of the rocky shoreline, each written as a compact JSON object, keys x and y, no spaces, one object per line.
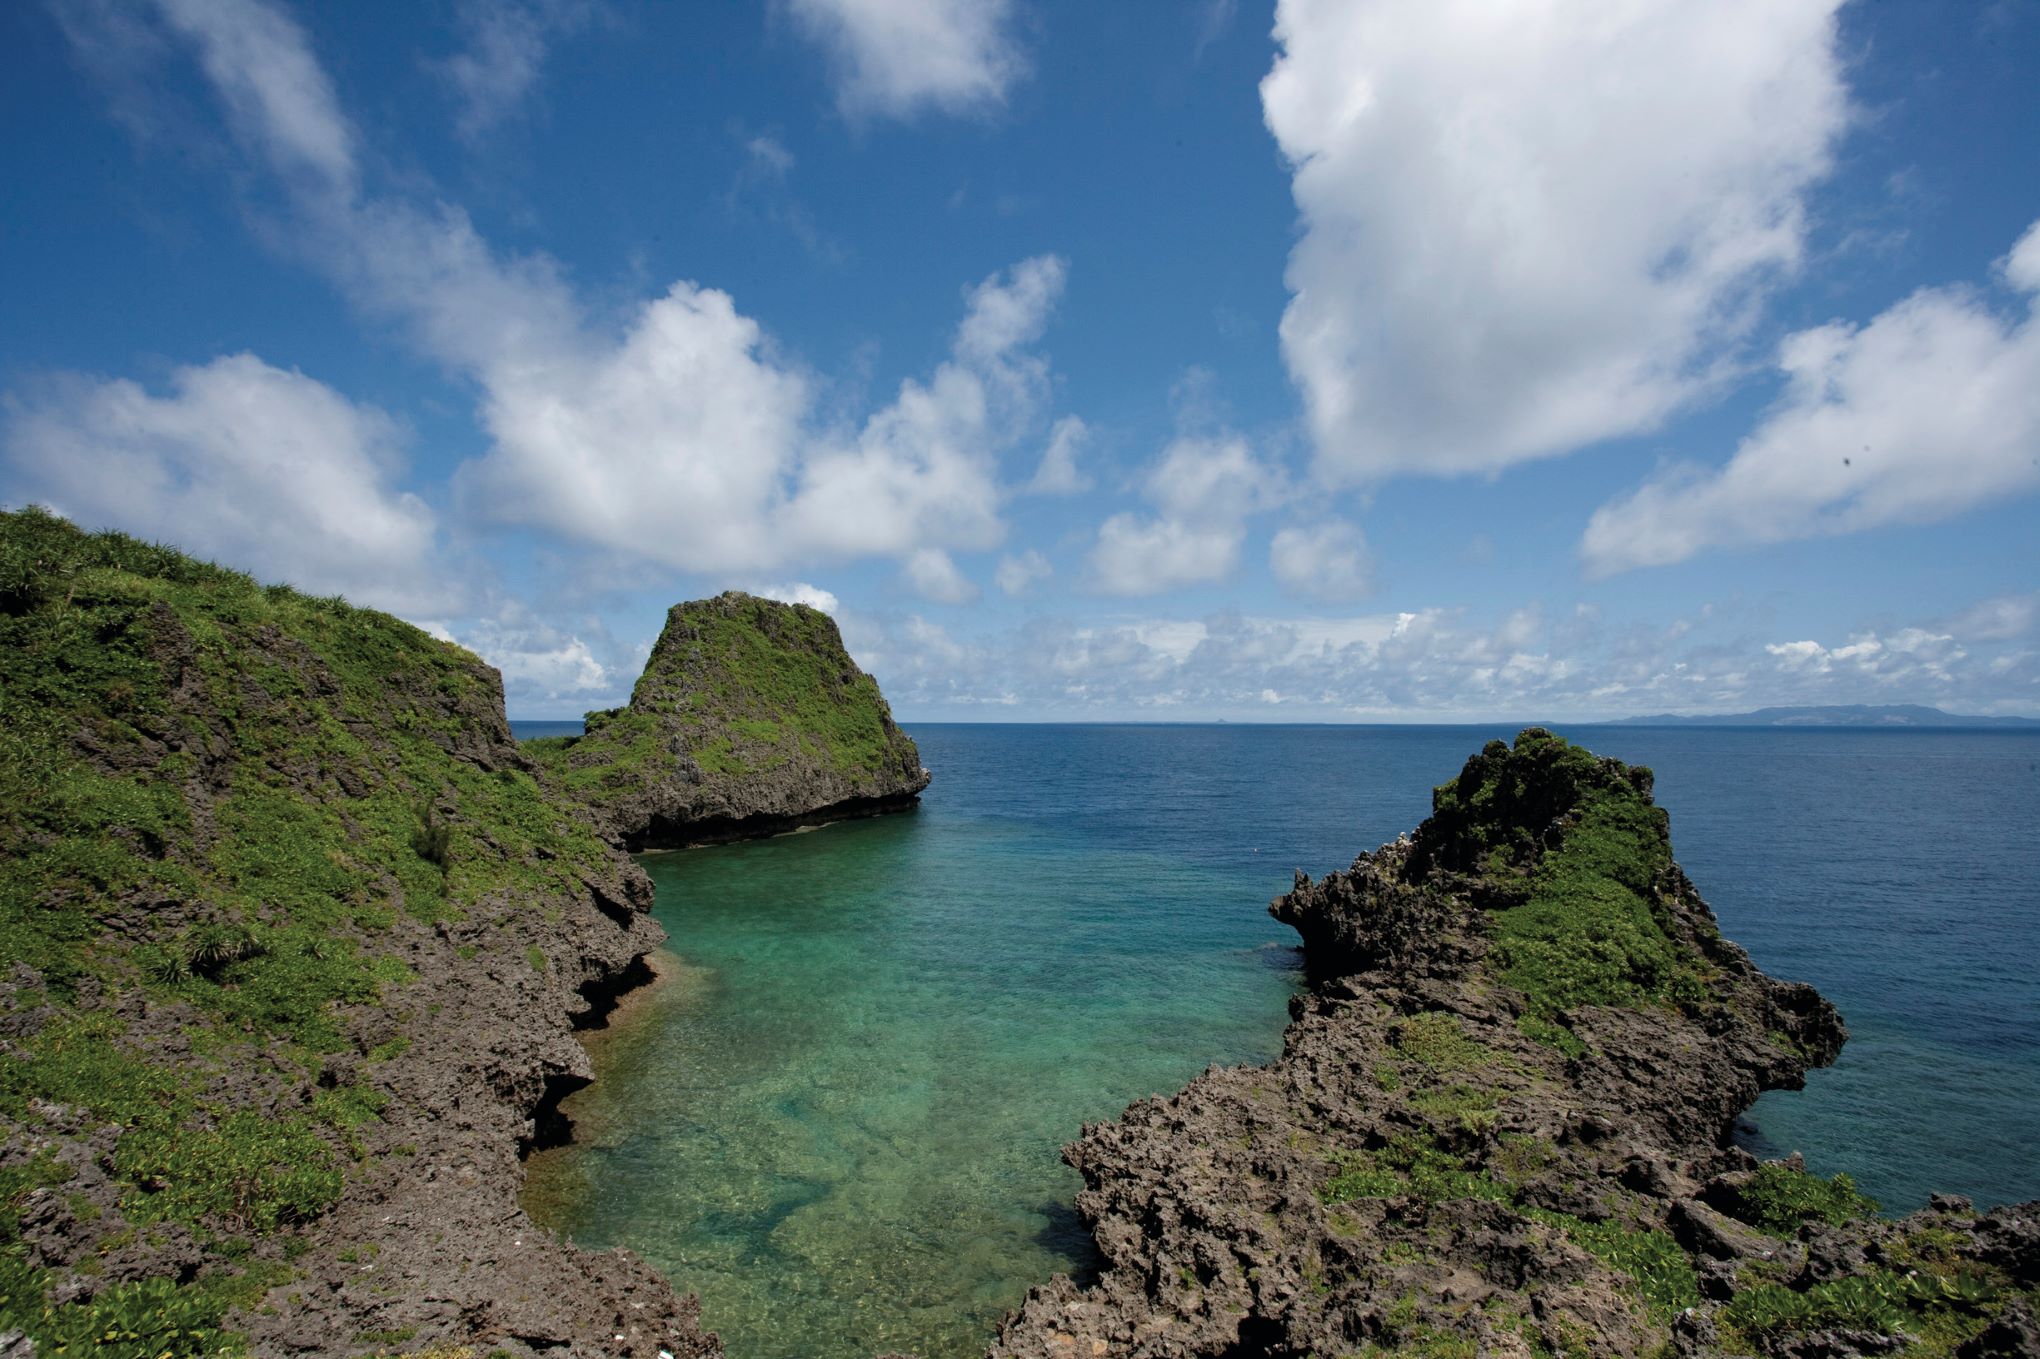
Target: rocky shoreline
{"x":1500,"y":1126}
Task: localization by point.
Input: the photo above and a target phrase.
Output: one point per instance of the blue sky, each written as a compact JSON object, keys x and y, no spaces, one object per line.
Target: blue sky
{"x":1348,"y":360}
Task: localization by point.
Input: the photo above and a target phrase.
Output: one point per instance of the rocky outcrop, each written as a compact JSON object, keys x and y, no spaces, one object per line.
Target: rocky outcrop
{"x":750,"y":719}
{"x":295,"y":948}
{"x":1499,"y":1126}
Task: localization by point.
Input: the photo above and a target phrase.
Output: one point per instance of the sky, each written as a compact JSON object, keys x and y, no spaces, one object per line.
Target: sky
{"x":1325,"y":360}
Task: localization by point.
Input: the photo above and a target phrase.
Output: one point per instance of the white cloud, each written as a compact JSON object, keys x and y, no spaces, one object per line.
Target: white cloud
{"x":545,"y":668}
{"x":923,"y":471}
{"x":1527,"y":227}
{"x":800,"y":592}
{"x":281,"y":100}
{"x":1137,"y":555}
{"x":1432,"y":663}
{"x":679,"y":436}
{"x":505,"y":52}
{"x":262,"y":468}
{"x":1930,"y":409}
{"x":1203,"y":489}
{"x":1327,"y":560}
{"x":1058,"y":473}
{"x":897,"y":58}
{"x":934,"y":576}
{"x":1997,"y":620}
{"x":1017,"y":574}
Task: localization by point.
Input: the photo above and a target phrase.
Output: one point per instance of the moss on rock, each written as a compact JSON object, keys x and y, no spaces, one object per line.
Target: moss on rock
{"x":750,"y":718}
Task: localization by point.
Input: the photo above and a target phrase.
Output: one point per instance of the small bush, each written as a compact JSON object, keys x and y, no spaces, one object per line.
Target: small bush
{"x":1779,"y":1197}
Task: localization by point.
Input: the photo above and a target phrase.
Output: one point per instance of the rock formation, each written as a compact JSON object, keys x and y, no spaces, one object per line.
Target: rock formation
{"x":1500,"y":1126}
{"x":750,"y":718}
{"x":292,"y":949}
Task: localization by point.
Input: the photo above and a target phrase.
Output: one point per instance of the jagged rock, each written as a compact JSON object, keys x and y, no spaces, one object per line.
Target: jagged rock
{"x":750,"y":719}
{"x":309,"y":946}
{"x":1519,"y":1059}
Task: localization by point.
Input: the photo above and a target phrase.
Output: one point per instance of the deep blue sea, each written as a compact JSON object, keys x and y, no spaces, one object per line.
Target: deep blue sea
{"x":839,"y":1121}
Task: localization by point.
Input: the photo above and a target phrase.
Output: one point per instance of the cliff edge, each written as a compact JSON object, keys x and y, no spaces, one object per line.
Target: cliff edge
{"x":1500,"y":1126}
{"x":292,"y":950}
{"x":750,"y":719}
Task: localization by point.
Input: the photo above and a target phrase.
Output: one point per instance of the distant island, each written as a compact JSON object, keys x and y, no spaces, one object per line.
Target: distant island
{"x":1830,"y":715}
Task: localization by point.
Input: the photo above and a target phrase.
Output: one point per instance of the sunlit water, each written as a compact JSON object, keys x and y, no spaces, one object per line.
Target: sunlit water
{"x":839,"y":1121}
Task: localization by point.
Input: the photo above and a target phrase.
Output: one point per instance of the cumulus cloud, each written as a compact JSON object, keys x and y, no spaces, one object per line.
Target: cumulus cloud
{"x":677,"y":434}
{"x":1441,"y":664}
{"x":257,"y":466}
{"x":503,"y":56}
{"x":1016,"y":574}
{"x":800,"y":592}
{"x":1203,"y":489}
{"x":923,"y":471}
{"x":1931,"y":408}
{"x":1327,"y":561}
{"x":899,"y":58}
{"x":1529,"y":227}
{"x":933,"y":575}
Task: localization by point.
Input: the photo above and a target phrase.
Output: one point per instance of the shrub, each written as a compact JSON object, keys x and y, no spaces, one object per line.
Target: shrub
{"x":1779,"y":1197}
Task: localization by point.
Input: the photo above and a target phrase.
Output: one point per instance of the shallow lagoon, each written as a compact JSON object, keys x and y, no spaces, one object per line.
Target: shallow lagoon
{"x":839,"y":1120}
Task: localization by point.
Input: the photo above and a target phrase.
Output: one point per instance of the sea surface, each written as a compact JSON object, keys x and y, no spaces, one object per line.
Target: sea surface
{"x":839,"y":1121}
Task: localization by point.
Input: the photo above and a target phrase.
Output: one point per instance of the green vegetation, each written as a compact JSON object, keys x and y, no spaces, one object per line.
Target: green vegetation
{"x":1780,"y":1197}
{"x":749,"y":685}
{"x":1437,"y":1041}
{"x":221,"y":797}
{"x":1412,"y":1167}
{"x":1553,"y":1035}
{"x":1939,"y":1310}
{"x":1650,"y":1256}
{"x":1582,"y":922}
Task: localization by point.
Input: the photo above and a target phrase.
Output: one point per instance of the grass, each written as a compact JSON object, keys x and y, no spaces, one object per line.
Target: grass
{"x":1576,"y":851}
{"x":222,"y":796}
{"x":1412,"y":1167}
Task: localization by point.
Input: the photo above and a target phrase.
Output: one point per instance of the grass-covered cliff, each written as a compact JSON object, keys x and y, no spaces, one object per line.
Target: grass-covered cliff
{"x":750,"y":717}
{"x":1500,"y":1126}
{"x":291,"y":943}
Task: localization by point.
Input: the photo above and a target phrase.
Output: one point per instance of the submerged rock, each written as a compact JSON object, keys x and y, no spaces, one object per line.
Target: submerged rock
{"x":750,"y":719}
{"x":1500,"y":1126}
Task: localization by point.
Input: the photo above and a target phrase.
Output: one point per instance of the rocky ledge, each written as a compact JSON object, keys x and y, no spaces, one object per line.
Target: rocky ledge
{"x":1500,"y":1126}
{"x":293,"y":947}
{"x":750,"y":719}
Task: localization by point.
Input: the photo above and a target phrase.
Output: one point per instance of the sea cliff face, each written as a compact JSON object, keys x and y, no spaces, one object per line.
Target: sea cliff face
{"x":750,"y":719}
{"x":294,"y":949}
{"x":1499,"y":1126}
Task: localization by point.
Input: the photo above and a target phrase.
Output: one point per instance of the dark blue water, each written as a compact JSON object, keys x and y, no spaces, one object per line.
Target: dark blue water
{"x":840,"y":1121}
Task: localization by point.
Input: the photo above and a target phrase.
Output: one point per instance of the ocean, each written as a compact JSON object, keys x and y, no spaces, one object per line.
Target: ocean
{"x":839,"y":1121}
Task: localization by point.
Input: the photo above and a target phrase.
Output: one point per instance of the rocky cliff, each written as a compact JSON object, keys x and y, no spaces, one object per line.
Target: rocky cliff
{"x":750,"y":718}
{"x":1500,"y":1126}
{"x":292,"y":950}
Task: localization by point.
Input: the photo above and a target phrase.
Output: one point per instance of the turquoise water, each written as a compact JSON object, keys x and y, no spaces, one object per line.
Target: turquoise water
{"x":839,"y":1121}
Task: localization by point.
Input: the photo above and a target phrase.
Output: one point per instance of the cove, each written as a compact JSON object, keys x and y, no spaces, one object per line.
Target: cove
{"x":839,"y":1121}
